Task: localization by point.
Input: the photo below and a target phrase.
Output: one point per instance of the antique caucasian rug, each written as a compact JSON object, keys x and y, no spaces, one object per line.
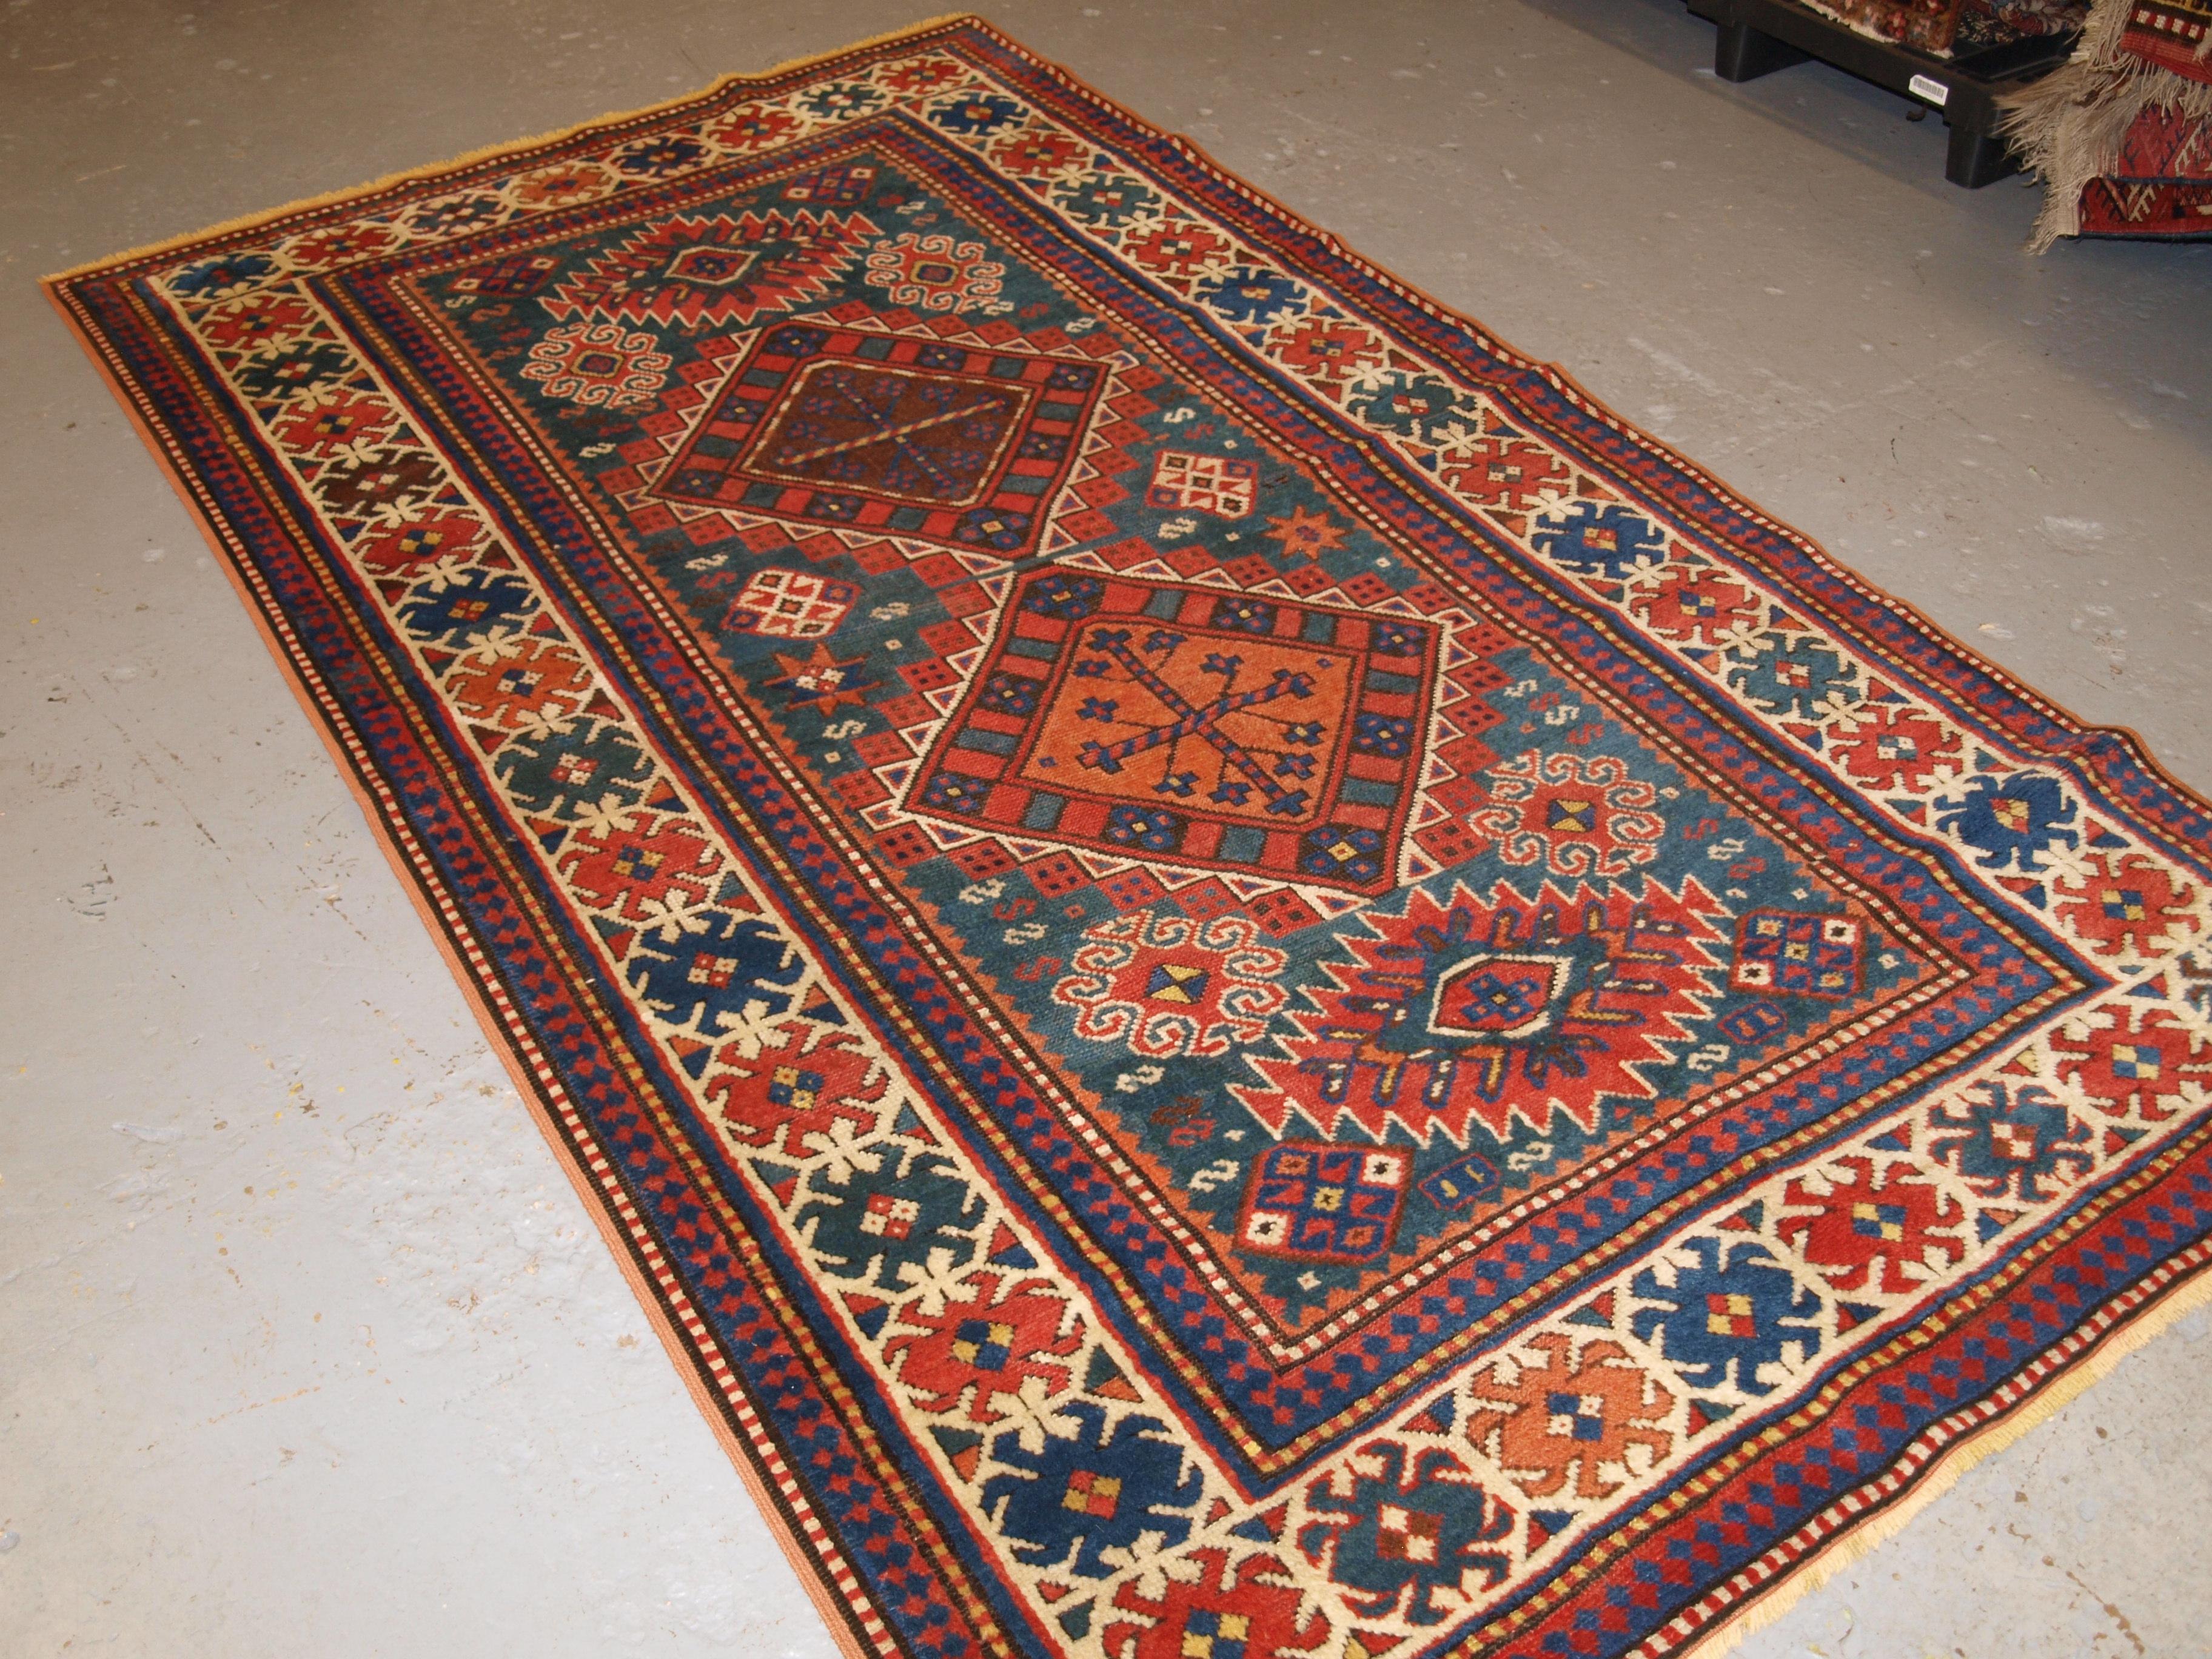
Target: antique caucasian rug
{"x":1243,"y":981}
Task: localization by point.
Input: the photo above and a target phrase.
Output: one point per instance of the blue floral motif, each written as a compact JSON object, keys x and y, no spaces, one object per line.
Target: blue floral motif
{"x":1344,"y":852}
{"x":1144,"y":828}
{"x":1390,"y":638}
{"x":795,"y":340}
{"x":1010,"y":694}
{"x":224,"y":275}
{"x":1251,"y":295}
{"x":975,"y":115}
{"x":1792,"y":678}
{"x":956,"y":792}
{"x":659,"y":157}
{"x":912,"y":1214}
{"x":1383,"y":734}
{"x":1245,"y":615}
{"x":1070,"y":598}
{"x":992,"y":526}
{"x":1729,"y":1315}
{"x":300,"y":366}
{"x":1394,"y":1527}
{"x":737,"y":970}
{"x":2010,"y":820}
{"x":2014,"y":1142}
{"x":1106,"y":198}
{"x":1106,"y":1486}
{"x":561,"y":774}
{"x":842,"y":98}
{"x":467,"y":607}
{"x":1426,"y":407}
{"x":1590,"y":540}
{"x":457,"y":214}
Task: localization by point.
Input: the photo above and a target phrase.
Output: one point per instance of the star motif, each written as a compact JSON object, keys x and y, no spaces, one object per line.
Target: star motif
{"x":819,"y":681}
{"x":1304,"y":535}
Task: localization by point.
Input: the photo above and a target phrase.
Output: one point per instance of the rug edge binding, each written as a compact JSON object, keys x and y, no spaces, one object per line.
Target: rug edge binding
{"x":493,"y":152}
{"x":811,"y":1573}
{"x":2189,"y":1295}
{"x":1965,"y":651}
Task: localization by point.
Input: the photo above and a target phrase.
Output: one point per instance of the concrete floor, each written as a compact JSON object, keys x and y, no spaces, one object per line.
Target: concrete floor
{"x":309,"y":1349}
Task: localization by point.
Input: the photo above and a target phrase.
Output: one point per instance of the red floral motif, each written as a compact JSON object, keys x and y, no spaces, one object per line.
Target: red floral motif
{"x":1304,"y":535}
{"x":1577,"y":815}
{"x":1035,"y":153}
{"x":922,"y":74}
{"x":935,"y":273}
{"x":2124,"y":904}
{"x":333,"y":418}
{"x":2134,"y":1061}
{"x":597,"y":365}
{"x":562,"y":185}
{"x":1487,"y":1011}
{"x":755,"y":126}
{"x":524,"y":683}
{"x":406,"y":547}
{"x":340,"y":244}
{"x":1501,"y":470}
{"x":1693,"y":603}
{"x":1325,"y":348}
{"x":790,"y":1096}
{"x":697,"y":270}
{"x":657,"y":870}
{"x":1554,"y":1415}
{"x":1873,"y":1230}
{"x":258,"y":321}
{"x":1176,"y":247}
{"x":1005,"y":1333}
{"x":1167,"y":985}
{"x":1255,"y":1610}
{"x":1887,"y":742}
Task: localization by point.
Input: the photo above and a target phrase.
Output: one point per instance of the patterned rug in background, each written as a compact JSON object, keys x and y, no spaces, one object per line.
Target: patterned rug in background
{"x":2122,"y":135}
{"x":1241,"y":982}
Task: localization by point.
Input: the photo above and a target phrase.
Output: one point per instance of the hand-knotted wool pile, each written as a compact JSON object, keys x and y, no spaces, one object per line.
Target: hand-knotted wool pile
{"x":1243,"y":981}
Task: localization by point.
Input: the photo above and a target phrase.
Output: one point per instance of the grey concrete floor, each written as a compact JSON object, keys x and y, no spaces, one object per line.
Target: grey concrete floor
{"x":306,"y":1347}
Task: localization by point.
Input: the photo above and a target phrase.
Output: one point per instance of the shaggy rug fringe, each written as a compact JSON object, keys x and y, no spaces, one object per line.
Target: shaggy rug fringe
{"x":2069,"y":126}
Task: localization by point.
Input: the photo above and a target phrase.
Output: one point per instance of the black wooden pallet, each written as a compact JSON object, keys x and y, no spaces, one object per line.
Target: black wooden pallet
{"x":1758,"y":37}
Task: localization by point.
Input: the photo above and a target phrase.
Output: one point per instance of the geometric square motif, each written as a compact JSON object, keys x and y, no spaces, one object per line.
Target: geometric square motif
{"x":793,"y":605}
{"x":1202,"y":484}
{"x":1193,"y":727}
{"x":1312,"y":1201}
{"x":1797,"y":954}
{"x":925,"y":438}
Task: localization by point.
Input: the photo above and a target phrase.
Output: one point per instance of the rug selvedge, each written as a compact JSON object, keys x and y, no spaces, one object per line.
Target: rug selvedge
{"x":1151,"y":1240}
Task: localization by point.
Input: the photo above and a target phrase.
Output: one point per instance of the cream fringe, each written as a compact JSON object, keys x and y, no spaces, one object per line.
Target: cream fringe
{"x":515,"y":146}
{"x":2069,"y":126}
{"x":2190,"y":1296}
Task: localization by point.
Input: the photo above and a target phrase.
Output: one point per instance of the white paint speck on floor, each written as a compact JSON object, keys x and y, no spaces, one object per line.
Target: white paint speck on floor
{"x":306,"y":1347}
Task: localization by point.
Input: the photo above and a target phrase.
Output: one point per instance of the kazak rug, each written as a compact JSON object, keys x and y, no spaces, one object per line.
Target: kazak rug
{"x":1243,"y":981}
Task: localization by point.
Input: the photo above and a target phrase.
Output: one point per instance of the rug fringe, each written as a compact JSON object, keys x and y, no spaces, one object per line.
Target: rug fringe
{"x":2069,"y":126}
{"x":492,"y":152}
{"x":1862,"y":1538}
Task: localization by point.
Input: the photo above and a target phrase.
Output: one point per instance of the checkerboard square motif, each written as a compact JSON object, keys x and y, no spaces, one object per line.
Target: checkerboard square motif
{"x":1220,"y":485}
{"x":1243,"y":983}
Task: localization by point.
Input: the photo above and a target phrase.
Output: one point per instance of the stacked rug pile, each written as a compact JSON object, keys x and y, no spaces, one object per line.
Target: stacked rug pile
{"x":1955,"y":29}
{"x":2123,"y":135}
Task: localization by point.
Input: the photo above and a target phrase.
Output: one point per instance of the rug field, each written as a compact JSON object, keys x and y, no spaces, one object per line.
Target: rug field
{"x":1241,"y":981}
